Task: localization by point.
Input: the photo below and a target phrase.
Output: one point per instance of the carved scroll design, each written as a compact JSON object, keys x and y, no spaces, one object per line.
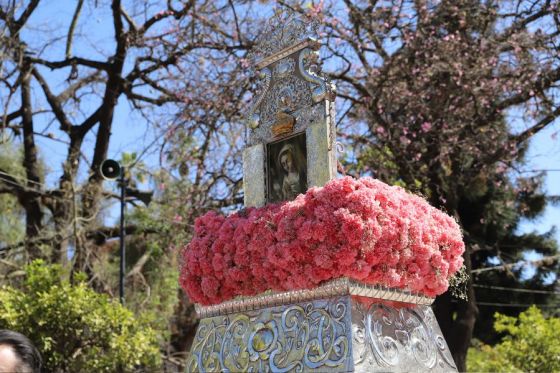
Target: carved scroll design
{"x":252,"y":116}
{"x":287,"y":94}
{"x":309,"y":68}
{"x":304,"y":337}
{"x":441,"y":345}
{"x":285,"y":29}
{"x":391,"y":337}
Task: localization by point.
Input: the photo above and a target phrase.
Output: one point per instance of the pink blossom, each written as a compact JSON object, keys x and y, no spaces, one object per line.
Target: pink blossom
{"x":426,"y":126}
{"x":362,"y":229}
{"x":245,"y":63}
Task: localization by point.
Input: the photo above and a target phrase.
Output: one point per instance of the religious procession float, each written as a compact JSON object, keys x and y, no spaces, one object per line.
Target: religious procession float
{"x":316,"y":273}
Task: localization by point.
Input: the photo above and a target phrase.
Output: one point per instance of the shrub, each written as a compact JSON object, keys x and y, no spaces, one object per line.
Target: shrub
{"x":530,"y":345}
{"x":75,"y":328}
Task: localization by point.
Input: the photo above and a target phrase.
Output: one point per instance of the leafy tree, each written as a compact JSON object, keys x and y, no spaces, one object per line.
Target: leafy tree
{"x":429,"y":90}
{"x":75,"y":328}
{"x":174,"y":67}
{"x":530,"y":344}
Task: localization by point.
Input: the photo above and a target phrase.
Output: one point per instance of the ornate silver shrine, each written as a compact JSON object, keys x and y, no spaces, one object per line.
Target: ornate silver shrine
{"x":341,"y":326}
{"x":294,"y":99}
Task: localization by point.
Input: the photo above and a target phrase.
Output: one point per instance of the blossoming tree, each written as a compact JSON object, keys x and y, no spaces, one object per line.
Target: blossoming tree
{"x":431,"y":91}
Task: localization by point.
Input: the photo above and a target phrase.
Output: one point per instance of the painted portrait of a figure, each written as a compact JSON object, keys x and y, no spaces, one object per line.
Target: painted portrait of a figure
{"x":287,"y":168}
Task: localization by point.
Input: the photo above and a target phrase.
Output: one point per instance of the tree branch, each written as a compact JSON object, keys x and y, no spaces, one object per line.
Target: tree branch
{"x":26,"y":14}
{"x":101,"y":235}
{"x":137,"y":269}
{"x":11,"y":185}
{"x":72,"y":28}
{"x":547,"y":260}
{"x":162,"y":15}
{"x":528,"y":133}
{"x":53,"y":101}
{"x":542,"y":84}
{"x":90,"y":121}
{"x":72,"y":62}
{"x":13,"y":115}
{"x":72,"y":89}
{"x":129,"y":20}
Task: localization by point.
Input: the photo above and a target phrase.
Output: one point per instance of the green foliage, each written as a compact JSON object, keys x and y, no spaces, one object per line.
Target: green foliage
{"x":485,"y":358}
{"x":530,"y":345}
{"x":532,"y":342}
{"x":151,"y":264}
{"x":75,"y":328}
{"x":11,"y":212}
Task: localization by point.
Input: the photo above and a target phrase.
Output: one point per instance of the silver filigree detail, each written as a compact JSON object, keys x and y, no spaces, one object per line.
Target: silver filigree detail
{"x":284,"y":33}
{"x":341,"y":286}
{"x":303,"y":337}
{"x":287,"y":94}
{"x":289,"y":54}
{"x":332,"y":334}
{"x":309,"y":69}
{"x":284,"y":68}
{"x":398,"y":339}
{"x":252,"y":117}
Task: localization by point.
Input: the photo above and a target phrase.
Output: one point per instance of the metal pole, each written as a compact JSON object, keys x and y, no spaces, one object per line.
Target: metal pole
{"x":122,"y":182}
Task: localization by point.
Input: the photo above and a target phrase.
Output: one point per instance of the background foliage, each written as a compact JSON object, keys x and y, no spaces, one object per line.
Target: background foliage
{"x":75,"y":328}
{"x":529,"y":345}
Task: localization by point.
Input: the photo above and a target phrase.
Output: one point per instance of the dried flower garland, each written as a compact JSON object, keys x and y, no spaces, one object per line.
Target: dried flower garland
{"x":362,"y":229}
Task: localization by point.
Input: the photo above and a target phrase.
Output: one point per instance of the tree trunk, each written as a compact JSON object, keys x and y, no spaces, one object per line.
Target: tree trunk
{"x":31,"y":200}
{"x":458,"y":330}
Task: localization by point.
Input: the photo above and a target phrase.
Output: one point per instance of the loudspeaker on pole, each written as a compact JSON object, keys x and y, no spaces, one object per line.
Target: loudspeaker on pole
{"x":110,"y":169}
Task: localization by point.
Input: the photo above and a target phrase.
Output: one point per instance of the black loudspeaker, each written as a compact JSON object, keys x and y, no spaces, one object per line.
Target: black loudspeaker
{"x":110,"y":169}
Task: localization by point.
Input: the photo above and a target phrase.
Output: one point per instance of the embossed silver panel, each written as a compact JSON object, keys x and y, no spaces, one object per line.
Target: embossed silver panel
{"x":397,"y":338}
{"x":305,"y":337}
{"x":347,"y":330}
{"x":289,"y":87}
{"x":321,"y":163}
{"x":253,"y":176}
{"x":285,"y":33}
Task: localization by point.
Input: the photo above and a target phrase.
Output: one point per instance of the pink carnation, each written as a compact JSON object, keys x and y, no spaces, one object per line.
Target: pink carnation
{"x":361,"y":229}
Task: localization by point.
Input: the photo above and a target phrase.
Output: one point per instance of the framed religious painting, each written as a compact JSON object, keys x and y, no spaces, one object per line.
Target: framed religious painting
{"x":286,"y":168}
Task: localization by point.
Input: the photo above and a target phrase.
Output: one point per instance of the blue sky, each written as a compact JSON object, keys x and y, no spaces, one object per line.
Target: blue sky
{"x":131,"y":134}
{"x":544,"y":153}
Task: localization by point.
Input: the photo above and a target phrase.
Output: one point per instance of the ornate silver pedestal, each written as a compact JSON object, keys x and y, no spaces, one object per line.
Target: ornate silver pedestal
{"x":343,"y":326}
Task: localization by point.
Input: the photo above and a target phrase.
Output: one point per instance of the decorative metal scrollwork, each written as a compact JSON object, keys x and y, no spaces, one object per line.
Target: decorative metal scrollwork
{"x":384,"y":346}
{"x":253,"y":117}
{"x":287,"y":94}
{"x":287,"y":54}
{"x":285,"y":29}
{"x":399,"y":337}
{"x":338,"y":333}
{"x":306,"y":337}
{"x":309,"y":69}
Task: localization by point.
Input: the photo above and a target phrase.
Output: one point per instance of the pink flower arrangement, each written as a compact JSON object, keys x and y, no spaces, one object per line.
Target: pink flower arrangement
{"x":362,"y":229}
